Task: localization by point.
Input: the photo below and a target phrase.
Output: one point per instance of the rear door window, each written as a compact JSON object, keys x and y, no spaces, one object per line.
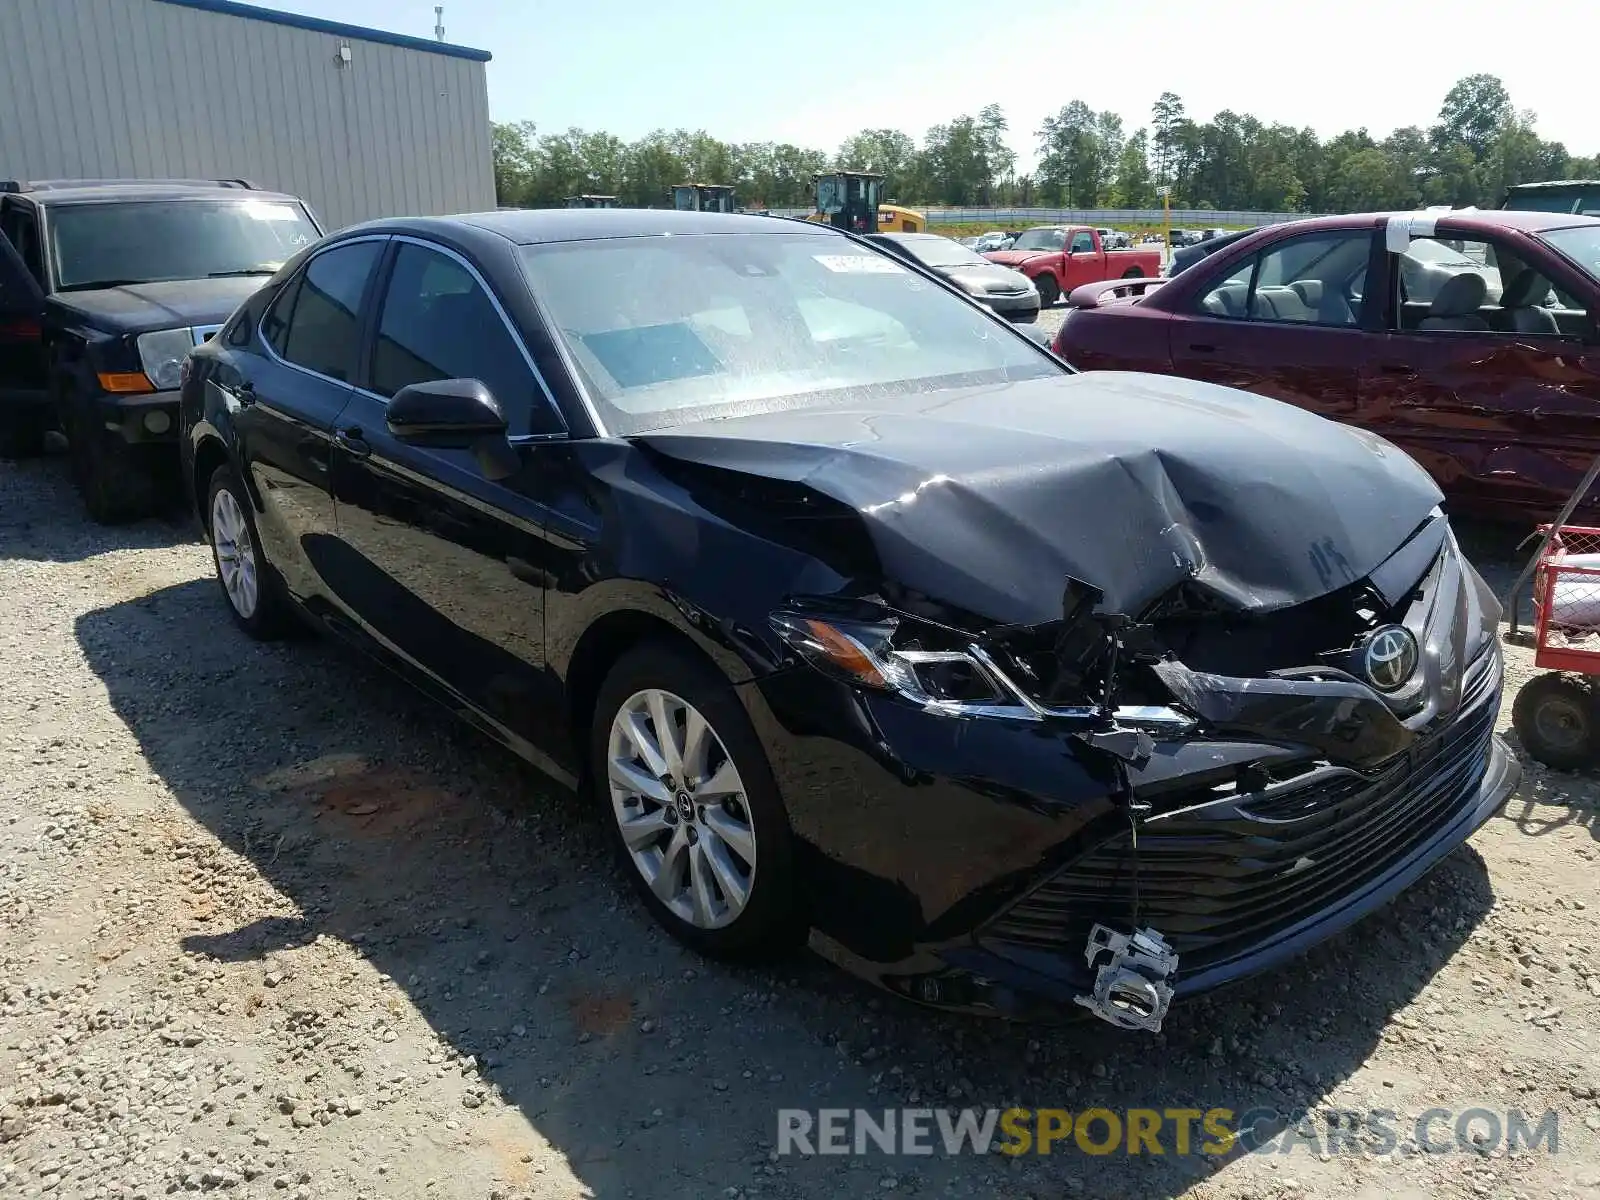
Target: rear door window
{"x":21,"y":294}
{"x":321,"y":330}
{"x":1476,"y":285}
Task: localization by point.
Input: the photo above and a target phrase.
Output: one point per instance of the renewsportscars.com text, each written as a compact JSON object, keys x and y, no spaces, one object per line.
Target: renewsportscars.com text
{"x":1159,"y":1131}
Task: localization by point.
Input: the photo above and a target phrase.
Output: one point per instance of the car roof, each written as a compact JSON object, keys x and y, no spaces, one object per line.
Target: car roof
{"x":533,"y":226}
{"x":1553,"y":185}
{"x":107,"y":193}
{"x":1485,"y":219}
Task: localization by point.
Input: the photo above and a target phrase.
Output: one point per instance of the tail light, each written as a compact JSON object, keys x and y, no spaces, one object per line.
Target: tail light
{"x":21,"y":329}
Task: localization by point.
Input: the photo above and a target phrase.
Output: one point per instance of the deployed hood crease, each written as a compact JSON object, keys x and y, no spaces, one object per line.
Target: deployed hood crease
{"x":990,"y":498}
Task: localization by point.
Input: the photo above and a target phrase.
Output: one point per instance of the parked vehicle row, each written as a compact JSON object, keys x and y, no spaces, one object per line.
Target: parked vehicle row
{"x":1466,"y":338}
{"x":1059,"y":258}
{"x":105,"y":286}
{"x":1009,"y":293}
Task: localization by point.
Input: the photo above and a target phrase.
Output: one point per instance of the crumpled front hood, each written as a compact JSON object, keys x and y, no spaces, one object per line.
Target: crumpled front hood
{"x":990,"y":498}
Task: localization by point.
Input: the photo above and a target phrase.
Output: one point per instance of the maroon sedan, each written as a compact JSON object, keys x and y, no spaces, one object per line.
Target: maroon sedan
{"x":1468,"y":338}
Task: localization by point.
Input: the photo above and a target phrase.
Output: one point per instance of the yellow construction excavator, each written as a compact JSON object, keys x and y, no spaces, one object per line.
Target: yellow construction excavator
{"x":703,"y":197}
{"x":851,"y":200}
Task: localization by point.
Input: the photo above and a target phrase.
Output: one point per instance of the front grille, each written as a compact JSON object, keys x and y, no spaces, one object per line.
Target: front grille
{"x":1222,"y":878}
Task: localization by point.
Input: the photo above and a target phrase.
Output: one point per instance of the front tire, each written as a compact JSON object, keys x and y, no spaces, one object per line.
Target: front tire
{"x":1555,"y":716}
{"x":691,"y":805}
{"x":115,"y":479}
{"x":247,"y":582}
{"x":1049,"y":290}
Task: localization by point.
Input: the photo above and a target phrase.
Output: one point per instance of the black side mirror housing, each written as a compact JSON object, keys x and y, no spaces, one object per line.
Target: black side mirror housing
{"x":445,"y":413}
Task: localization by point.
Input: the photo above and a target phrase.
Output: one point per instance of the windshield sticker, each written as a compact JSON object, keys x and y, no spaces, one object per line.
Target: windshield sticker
{"x":859,"y":264}
{"x":260,"y":211}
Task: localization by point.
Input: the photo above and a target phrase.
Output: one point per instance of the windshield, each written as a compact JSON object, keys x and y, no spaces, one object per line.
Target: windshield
{"x":149,"y":241}
{"x":1582,"y":200}
{"x":942,"y":252}
{"x":1040,"y":239}
{"x":1581,"y":244}
{"x":664,"y":331}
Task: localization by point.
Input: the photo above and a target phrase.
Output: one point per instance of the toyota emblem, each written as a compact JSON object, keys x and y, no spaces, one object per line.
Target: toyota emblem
{"x":1389,"y":657}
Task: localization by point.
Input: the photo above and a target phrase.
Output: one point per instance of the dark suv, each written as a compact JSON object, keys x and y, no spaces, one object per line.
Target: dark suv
{"x":105,"y":286}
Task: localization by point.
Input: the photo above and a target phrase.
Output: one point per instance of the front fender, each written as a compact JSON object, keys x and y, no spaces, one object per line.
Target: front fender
{"x":740,"y":656}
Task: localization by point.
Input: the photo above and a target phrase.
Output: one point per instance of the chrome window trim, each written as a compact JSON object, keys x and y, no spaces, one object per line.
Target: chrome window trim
{"x":304,"y":267}
{"x":505,"y":319}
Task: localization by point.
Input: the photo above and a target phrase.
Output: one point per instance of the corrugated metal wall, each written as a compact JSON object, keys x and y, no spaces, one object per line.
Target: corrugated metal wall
{"x":93,"y":88}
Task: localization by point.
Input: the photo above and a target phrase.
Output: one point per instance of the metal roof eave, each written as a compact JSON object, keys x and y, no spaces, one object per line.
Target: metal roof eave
{"x":251,"y":12}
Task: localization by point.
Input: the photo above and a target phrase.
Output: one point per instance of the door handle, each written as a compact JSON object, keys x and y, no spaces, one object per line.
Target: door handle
{"x":349,"y":439}
{"x":1202,"y":347}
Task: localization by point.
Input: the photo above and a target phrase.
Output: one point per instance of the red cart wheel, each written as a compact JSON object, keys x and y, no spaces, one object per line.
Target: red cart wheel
{"x":1555,"y":717}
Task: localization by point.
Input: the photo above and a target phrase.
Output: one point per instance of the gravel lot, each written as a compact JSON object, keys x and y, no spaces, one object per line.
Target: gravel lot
{"x":271,"y":925}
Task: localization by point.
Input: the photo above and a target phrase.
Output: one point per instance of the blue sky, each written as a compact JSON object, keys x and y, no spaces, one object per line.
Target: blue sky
{"x":761,"y":70}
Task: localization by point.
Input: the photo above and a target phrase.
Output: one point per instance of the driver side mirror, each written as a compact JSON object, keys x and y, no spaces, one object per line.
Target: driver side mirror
{"x":445,"y":413}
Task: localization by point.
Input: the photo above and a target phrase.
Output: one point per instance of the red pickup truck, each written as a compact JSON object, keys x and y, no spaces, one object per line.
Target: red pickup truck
{"x":1059,"y":258}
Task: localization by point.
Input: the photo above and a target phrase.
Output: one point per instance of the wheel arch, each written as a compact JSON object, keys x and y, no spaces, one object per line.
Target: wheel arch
{"x":600,"y":647}
{"x":209,"y":454}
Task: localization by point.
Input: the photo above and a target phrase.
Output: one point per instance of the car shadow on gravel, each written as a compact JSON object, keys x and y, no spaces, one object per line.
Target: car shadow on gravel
{"x":46,"y":522}
{"x":489,"y":897}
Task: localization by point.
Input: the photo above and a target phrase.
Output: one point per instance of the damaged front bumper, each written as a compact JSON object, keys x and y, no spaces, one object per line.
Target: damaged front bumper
{"x":1237,"y":881}
{"x":1033,"y":861}
{"x":1234,"y":884}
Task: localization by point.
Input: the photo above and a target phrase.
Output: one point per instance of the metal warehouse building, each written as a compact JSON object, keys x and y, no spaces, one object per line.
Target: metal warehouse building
{"x":358,"y":122}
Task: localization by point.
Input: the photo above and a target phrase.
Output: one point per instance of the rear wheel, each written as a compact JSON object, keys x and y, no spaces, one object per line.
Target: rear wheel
{"x":1049,"y":290}
{"x":1133,"y":273}
{"x":1554,"y":715}
{"x":695,"y":816}
{"x":248,"y":584}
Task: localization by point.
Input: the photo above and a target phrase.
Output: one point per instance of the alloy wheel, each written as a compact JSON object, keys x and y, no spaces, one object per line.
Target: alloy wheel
{"x":236,"y":554}
{"x":681,"y":808}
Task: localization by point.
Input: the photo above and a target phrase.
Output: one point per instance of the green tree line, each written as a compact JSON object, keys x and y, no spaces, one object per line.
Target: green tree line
{"x":1479,"y":144}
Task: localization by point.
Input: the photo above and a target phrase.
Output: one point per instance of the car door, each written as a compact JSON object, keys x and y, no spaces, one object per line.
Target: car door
{"x":1084,"y":264}
{"x":284,"y":402}
{"x":1289,"y":322}
{"x":440,"y":548}
{"x":23,"y":378}
{"x":1488,"y":373}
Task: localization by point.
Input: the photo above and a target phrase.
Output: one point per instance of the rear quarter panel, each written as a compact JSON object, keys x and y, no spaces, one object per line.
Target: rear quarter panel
{"x":1118,"y":337}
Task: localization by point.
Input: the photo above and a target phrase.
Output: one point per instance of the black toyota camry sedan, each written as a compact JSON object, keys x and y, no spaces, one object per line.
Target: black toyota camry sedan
{"x":858,"y":614}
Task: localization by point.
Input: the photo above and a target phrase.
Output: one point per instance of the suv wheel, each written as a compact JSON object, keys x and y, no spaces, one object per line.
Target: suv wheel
{"x":22,"y":433}
{"x":1049,"y":290}
{"x":247,"y":581}
{"x":694,"y":813}
{"x":116,"y":482}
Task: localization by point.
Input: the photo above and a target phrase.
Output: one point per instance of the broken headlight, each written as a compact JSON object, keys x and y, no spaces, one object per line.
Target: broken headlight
{"x":863,"y":653}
